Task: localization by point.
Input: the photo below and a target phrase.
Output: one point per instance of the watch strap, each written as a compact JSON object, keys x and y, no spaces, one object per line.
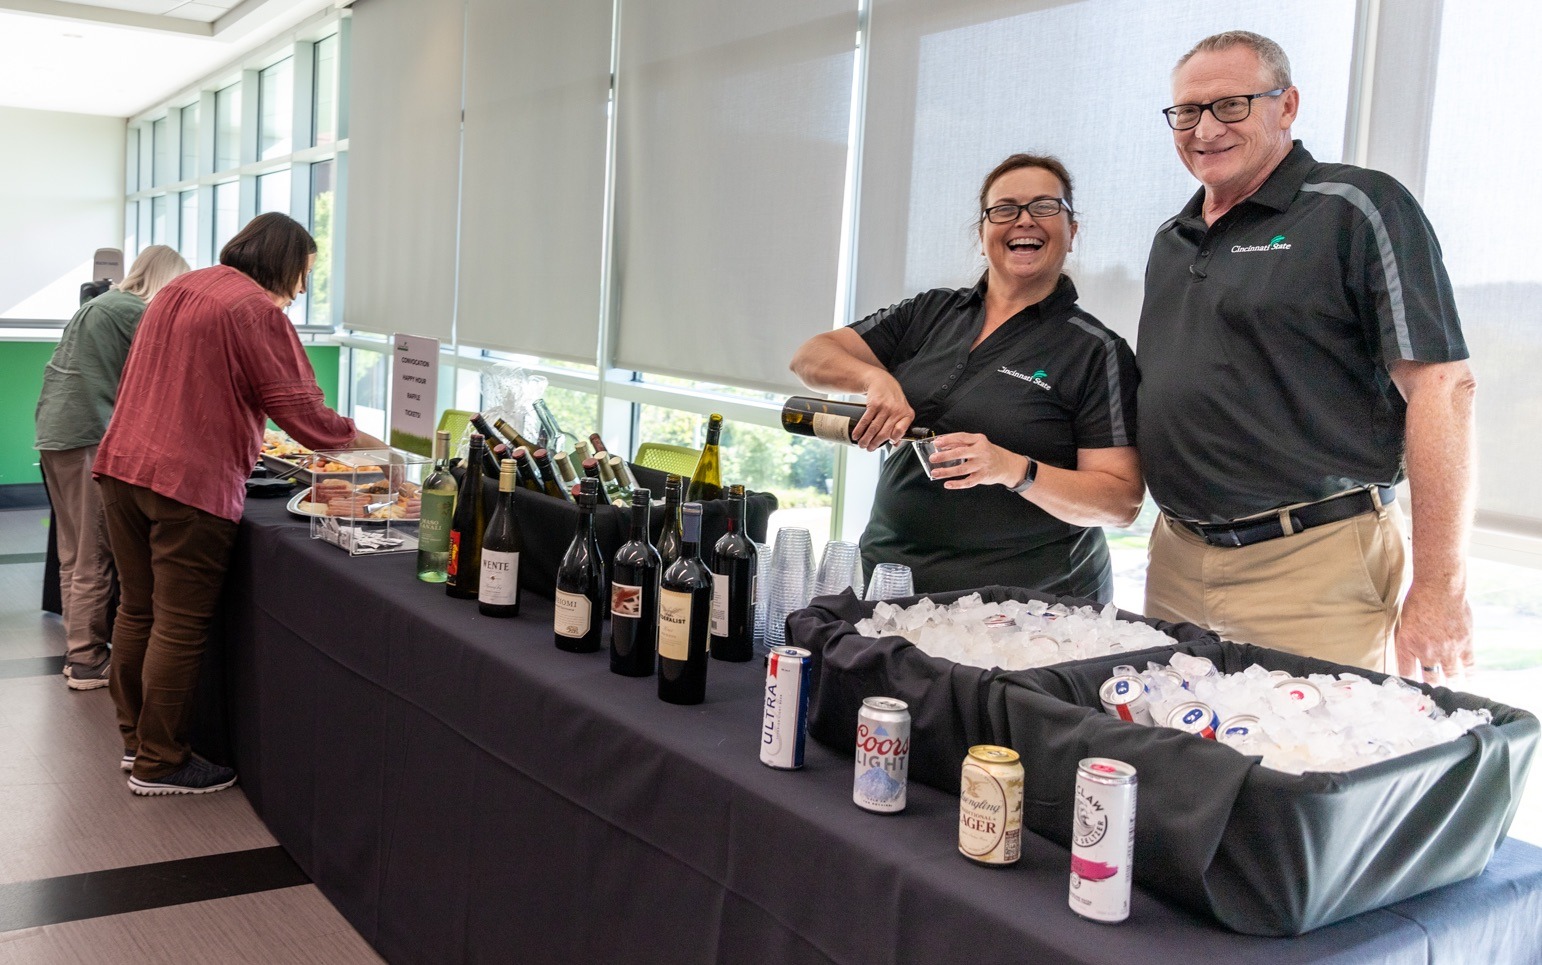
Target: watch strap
{"x":1028,"y":476}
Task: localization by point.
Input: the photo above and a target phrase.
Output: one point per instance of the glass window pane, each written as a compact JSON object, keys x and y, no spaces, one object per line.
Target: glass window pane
{"x":325,"y":131}
{"x":161,"y":167}
{"x":131,"y":227}
{"x":158,"y":220}
{"x":227,"y":128}
{"x":273,"y":192}
{"x":131,"y":162}
{"x":323,"y":195}
{"x":189,"y":167}
{"x":187,"y":226}
{"x":227,"y":211}
{"x":275,"y":104}
{"x":799,"y":470}
{"x":368,"y":393}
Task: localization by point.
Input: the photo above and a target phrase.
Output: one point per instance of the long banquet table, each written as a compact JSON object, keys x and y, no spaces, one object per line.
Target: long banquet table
{"x":462,"y":791}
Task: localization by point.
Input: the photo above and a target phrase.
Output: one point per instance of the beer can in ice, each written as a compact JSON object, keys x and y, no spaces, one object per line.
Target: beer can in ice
{"x":990,"y":806}
{"x":1103,"y":839}
{"x":883,"y":755}
{"x":1196,"y":717}
{"x":1302,"y":692}
{"x":786,"y":719}
{"x":1124,"y":696}
{"x":1236,"y":730}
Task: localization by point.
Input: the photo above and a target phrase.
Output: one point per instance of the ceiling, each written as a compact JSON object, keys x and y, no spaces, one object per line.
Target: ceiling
{"x":121,"y":57}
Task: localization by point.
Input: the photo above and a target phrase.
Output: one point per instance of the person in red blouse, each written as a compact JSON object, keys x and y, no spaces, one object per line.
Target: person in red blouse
{"x":214,"y":357}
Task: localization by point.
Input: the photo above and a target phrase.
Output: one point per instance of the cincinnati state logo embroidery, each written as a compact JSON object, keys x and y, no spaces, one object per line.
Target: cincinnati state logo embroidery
{"x":1277,"y":243}
{"x":1039,"y":377}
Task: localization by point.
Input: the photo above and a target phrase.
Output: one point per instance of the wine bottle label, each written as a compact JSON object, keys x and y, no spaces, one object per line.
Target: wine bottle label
{"x":434,"y":527}
{"x":451,"y":567}
{"x":625,"y":601}
{"x":719,"y":604}
{"x":571,"y":615}
{"x":833,"y":428}
{"x":500,"y":578}
{"x":674,"y":624}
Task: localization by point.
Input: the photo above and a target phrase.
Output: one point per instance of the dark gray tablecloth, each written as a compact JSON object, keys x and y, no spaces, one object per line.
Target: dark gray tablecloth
{"x":465,"y":792}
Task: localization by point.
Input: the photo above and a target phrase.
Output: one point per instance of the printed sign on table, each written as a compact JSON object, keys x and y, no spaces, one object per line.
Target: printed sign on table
{"x":414,"y":393}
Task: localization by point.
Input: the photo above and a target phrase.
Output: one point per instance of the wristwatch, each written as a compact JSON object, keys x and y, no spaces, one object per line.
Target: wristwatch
{"x":1028,"y":476}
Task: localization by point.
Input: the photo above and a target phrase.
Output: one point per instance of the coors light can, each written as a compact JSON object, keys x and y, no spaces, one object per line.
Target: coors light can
{"x":786,"y":719}
{"x":1103,"y":839}
{"x":883,"y":755}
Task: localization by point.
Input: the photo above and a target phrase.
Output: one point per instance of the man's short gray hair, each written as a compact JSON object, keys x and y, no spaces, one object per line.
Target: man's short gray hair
{"x":1270,"y":54}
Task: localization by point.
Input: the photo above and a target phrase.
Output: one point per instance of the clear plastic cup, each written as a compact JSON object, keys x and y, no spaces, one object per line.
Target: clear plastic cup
{"x":890,"y":581}
{"x":839,"y":569}
{"x":924,"y":448}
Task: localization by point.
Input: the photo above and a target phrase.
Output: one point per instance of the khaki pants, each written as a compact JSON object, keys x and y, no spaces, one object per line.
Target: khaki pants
{"x":86,"y":576}
{"x":171,"y":561}
{"x":1331,"y":592}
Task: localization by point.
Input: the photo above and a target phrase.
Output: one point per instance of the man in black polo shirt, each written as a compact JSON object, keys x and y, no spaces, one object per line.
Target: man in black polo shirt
{"x":1300,"y":354}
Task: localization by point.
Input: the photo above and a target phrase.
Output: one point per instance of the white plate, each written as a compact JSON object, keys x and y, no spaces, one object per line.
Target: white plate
{"x":299,"y":497}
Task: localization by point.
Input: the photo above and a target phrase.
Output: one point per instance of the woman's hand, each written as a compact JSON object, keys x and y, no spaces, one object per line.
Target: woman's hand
{"x":888,"y":413}
{"x":984,"y":464}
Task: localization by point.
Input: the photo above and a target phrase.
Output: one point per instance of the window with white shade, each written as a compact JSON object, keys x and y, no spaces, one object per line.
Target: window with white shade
{"x":227,"y":128}
{"x":275,"y":106}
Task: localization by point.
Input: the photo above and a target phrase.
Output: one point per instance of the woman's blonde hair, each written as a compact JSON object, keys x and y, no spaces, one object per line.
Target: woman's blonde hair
{"x":155,"y":266}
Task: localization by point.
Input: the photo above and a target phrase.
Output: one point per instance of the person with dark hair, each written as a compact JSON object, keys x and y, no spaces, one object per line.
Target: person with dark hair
{"x":1032,"y":397}
{"x":79,"y":388}
{"x":214,"y":358}
{"x":1300,"y":356}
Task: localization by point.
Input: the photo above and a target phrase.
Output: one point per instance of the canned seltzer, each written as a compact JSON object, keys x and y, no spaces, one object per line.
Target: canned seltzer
{"x":990,"y":806}
{"x":1103,"y":839}
{"x":1124,"y":696}
{"x":883,"y":755}
{"x":1302,"y":692}
{"x":1196,"y":717}
{"x":786,"y":718}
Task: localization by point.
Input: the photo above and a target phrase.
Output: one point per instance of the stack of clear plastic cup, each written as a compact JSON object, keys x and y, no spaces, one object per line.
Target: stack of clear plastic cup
{"x":762,"y":593}
{"x":840,"y":568}
{"x":791,"y":579}
{"x":890,"y":581}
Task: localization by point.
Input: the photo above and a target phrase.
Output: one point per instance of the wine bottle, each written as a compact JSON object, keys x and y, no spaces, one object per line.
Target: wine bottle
{"x":564,"y":464}
{"x":634,"y":596}
{"x":437,"y":515}
{"x":707,"y":480}
{"x":592,"y":471}
{"x":498,"y":593}
{"x":622,"y":473}
{"x":580,"y":453}
{"x":529,"y":472}
{"x":733,"y":586}
{"x":465,"y":568}
{"x":685,"y":609}
{"x":830,"y":420}
{"x":514,"y":436}
{"x":556,"y":438}
{"x":496,"y":449}
{"x":671,"y":543}
{"x":550,"y":478}
{"x":578,"y":615}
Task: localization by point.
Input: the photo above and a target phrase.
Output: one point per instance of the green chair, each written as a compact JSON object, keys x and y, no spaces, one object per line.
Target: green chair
{"x":680,"y":460}
{"x":455,"y":421}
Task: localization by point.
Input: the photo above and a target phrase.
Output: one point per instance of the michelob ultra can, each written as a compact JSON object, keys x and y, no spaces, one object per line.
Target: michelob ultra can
{"x":1124,"y":696}
{"x":786,"y":719}
{"x":883,"y":755}
{"x":1103,"y":839}
{"x":990,"y":806}
{"x":1237,"y":729}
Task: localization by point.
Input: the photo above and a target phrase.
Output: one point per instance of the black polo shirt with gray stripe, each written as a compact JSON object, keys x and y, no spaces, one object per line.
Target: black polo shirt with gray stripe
{"x":1048,"y":382}
{"x":1265,"y":341}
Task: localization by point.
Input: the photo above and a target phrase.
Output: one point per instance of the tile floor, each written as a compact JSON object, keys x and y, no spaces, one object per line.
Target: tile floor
{"x":65,"y":810}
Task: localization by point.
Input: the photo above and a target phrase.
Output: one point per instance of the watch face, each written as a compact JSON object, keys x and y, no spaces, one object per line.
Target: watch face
{"x":1028,"y":476}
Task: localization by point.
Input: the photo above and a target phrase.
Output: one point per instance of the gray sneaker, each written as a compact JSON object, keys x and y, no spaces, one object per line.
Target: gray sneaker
{"x":197,"y":776}
{"x":77,"y":677}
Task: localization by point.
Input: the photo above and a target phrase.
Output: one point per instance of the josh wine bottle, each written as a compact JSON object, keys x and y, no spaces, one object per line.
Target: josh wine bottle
{"x":498,"y":594}
{"x":634,"y":596}
{"x":437,"y":515}
{"x":465,"y":569}
{"x":685,"y":609}
{"x":578,"y":615}
{"x":733,"y":586}
{"x":670,"y":540}
{"x":707,"y":480}
{"x":829,"y":419}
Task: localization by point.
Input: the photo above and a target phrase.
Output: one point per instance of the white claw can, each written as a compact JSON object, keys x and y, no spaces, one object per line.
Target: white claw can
{"x":883,"y":755}
{"x":785,"y":722}
{"x":1103,"y":839}
{"x":990,"y":806}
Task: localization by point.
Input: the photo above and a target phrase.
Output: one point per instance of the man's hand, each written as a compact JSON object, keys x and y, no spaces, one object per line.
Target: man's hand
{"x":1434,"y":638}
{"x":984,"y":464}
{"x":888,"y":413}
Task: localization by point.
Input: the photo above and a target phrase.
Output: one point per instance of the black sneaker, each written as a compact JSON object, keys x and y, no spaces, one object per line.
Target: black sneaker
{"x":197,"y":776}
{"x":127,"y":763}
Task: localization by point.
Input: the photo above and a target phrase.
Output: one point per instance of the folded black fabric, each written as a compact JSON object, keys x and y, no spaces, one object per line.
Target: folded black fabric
{"x":269,"y":488}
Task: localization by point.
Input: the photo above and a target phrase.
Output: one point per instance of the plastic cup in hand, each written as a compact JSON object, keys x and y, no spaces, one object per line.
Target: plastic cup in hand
{"x":792,"y":580}
{"x":890,"y":581}
{"x":839,"y":568}
{"x":924,"y":449}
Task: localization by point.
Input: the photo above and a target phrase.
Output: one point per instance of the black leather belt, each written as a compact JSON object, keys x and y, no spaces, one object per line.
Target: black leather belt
{"x":1264,"y":528}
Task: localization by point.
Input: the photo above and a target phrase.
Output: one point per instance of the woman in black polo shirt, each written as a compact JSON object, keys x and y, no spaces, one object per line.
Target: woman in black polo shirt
{"x":1033,"y":394}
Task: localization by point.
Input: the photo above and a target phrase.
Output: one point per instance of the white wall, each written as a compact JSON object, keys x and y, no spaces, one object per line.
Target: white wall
{"x":61,"y":198}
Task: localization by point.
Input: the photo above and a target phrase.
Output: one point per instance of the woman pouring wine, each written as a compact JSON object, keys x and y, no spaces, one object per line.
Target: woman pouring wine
{"x":1031,"y":397}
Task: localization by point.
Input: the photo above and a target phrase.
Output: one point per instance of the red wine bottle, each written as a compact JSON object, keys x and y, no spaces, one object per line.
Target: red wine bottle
{"x":733,"y":586}
{"x":498,"y":594}
{"x":580,"y":598}
{"x":465,"y":568}
{"x":634,"y":596}
{"x":685,"y":609}
{"x":671,"y":541}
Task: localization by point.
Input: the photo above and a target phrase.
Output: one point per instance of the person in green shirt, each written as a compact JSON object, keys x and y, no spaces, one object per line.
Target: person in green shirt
{"x":80,"y":386}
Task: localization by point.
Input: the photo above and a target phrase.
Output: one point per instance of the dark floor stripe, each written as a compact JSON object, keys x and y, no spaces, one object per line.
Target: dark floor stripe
{"x":23,"y":558}
{"x":49,"y":901}
{"x":31,"y":667}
